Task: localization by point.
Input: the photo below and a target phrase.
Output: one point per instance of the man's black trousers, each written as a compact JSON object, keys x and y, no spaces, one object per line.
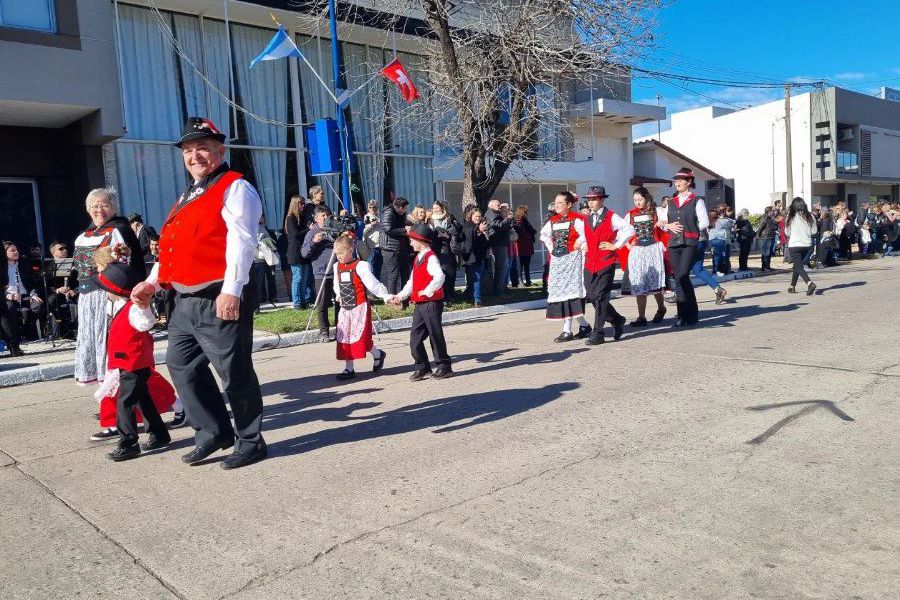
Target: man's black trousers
{"x":426,"y":324}
{"x":598,"y":287}
{"x":198,"y":339}
{"x":395,"y":267}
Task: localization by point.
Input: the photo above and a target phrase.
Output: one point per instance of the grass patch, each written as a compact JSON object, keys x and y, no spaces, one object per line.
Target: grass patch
{"x":289,"y":320}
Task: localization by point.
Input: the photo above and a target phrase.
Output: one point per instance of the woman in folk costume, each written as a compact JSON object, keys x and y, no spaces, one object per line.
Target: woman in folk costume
{"x":563,"y":235}
{"x":353,"y":279}
{"x":687,"y":218}
{"x":646,"y":257}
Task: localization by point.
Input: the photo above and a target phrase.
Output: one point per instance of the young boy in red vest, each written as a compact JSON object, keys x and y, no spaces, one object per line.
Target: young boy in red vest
{"x":130,"y":350}
{"x":605,"y":232}
{"x":353,"y":278}
{"x":425,"y":289}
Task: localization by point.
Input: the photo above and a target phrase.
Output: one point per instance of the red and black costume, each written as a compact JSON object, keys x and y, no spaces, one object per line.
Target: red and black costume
{"x":690,"y":211}
{"x":426,"y":289}
{"x":600,"y":265}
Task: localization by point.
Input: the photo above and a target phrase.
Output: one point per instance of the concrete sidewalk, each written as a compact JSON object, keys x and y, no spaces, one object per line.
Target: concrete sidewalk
{"x":756,"y":456}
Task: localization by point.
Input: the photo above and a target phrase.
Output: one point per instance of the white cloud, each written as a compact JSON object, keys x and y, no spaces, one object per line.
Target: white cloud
{"x":852,"y":76}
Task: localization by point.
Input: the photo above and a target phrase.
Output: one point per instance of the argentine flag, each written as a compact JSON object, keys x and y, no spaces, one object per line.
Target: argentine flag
{"x":281,"y":46}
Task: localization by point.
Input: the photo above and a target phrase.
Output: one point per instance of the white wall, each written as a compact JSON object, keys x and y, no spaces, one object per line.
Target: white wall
{"x":610,"y":167}
{"x":739,"y":145}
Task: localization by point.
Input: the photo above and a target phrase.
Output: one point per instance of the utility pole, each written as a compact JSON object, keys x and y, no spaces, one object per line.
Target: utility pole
{"x":658,"y":126}
{"x":787,"y":150}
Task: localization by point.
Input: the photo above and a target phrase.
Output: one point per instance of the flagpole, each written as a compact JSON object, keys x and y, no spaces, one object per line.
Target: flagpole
{"x":346,"y":199}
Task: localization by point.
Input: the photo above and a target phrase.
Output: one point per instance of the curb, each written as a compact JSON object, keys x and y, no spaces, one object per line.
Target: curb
{"x":53,"y":372}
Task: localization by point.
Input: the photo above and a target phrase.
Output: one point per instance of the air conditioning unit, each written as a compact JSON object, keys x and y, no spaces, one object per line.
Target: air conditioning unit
{"x":845,"y":135}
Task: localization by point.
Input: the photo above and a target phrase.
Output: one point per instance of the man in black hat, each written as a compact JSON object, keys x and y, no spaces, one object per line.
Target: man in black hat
{"x":605,"y":232}
{"x":207,"y":245}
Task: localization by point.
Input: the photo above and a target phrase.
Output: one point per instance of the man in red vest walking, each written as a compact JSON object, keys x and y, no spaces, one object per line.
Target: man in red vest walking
{"x":604,"y":232}
{"x":206,"y":248}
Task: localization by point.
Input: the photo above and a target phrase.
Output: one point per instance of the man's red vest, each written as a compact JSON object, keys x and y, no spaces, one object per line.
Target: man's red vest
{"x":192,"y":241}
{"x":421,"y":279}
{"x":596,"y":259}
{"x":126,"y":347}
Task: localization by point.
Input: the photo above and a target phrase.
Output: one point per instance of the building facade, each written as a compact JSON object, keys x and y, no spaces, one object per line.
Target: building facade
{"x":150,"y":65}
{"x":845,"y":146}
{"x":59,"y":104}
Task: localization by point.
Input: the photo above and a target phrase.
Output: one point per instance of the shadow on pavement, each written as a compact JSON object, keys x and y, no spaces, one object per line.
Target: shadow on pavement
{"x":724,"y":317}
{"x":749,"y":296}
{"x":840,"y":286}
{"x":440,"y":415}
{"x":8,"y":366}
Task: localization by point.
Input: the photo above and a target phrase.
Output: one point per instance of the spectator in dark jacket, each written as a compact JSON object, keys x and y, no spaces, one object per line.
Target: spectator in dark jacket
{"x":745,"y":235}
{"x":767,"y":232}
{"x":318,"y":247}
{"x":447,"y":232}
{"x":395,"y":263}
{"x":499,"y":225}
{"x":474,"y":251}
{"x":137,"y":225}
{"x":525,"y":242}
{"x":301,"y":268}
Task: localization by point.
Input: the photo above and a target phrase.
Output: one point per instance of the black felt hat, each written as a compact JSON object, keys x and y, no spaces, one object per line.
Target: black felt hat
{"x":596,"y":191}
{"x":422,"y":233}
{"x":198,"y":128}
{"x":117,"y":278}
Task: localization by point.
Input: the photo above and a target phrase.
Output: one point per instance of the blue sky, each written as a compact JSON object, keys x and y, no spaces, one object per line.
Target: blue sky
{"x":855,"y":45}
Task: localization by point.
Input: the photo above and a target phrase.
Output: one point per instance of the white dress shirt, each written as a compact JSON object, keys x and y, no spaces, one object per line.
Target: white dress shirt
{"x":371,"y":283}
{"x":433,"y":266}
{"x":241,"y":211}
{"x":15,"y":282}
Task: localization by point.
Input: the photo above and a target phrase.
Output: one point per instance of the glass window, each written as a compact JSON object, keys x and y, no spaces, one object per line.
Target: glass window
{"x":28,"y":14}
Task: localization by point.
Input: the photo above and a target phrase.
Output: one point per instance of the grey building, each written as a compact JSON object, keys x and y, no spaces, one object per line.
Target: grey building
{"x":59,"y":103}
{"x":856,"y":148}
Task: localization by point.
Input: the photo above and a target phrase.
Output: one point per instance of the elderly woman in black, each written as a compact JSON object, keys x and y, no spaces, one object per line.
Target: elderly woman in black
{"x":107,"y":228}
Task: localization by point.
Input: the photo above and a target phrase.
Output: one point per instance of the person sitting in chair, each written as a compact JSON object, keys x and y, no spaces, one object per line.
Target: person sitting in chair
{"x":22,"y":301}
{"x":62,"y":287}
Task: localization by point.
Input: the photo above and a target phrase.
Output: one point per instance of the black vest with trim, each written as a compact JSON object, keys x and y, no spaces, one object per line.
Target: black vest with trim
{"x":687,"y":216}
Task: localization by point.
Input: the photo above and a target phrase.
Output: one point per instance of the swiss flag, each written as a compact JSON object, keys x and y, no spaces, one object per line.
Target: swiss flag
{"x":397,"y":73}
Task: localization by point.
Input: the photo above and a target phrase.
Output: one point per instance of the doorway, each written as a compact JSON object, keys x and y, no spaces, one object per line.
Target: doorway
{"x":20,"y":212}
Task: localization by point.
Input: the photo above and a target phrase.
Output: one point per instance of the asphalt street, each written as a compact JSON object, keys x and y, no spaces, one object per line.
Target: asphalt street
{"x":757,"y":456}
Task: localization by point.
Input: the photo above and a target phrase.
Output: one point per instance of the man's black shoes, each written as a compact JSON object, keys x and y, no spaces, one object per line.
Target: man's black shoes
{"x":204,"y":451}
{"x":583,"y":332}
{"x":247,"y":457}
{"x":124,"y":453}
{"x":419,"y":374}
{"x":595,"y":340}
{"x":443,"y":373}
{"x":619,"y":328}
{"x":155,"y":442}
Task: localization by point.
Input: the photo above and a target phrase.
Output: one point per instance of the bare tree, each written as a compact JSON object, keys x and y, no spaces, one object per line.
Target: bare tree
{"x":499,"y":72}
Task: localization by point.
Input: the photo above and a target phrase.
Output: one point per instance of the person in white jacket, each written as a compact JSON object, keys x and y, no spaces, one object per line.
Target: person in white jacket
{"x":800,"y":227}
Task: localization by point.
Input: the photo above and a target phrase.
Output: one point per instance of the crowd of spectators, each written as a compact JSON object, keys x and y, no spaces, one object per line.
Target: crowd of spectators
{"x":493,"y":248}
